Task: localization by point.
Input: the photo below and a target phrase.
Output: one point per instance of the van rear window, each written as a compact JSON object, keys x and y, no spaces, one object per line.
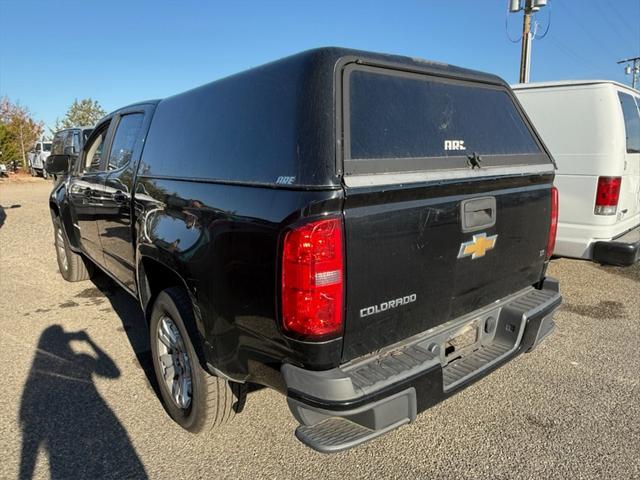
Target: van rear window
{"x":438,"y":123}
{"x":631,"y":121}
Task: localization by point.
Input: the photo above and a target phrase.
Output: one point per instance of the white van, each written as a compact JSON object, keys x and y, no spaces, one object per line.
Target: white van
{"x":592,"y":129}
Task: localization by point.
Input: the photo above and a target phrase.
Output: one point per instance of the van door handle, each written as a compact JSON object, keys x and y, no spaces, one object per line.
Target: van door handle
{"x":478,"y":213}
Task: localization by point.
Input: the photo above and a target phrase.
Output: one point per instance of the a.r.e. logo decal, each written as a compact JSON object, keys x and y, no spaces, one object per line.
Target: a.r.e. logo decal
{"x":454,"y":145}
{"x":285,"y":180}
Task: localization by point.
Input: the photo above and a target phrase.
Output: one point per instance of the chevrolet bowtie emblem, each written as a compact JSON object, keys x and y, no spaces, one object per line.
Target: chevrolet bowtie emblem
{"x":477,"y":247}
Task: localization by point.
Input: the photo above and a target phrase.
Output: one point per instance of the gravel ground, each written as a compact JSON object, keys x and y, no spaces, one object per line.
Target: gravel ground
{"x":77,"y":402}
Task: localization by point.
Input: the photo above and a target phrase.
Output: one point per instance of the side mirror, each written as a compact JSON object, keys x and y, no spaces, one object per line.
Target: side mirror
{"x":58,"y":164}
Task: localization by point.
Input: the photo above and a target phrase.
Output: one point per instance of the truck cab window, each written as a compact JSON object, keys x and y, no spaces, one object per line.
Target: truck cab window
{"x":125,"y":140}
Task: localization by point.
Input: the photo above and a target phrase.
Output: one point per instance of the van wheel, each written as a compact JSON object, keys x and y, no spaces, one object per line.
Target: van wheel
{"x":195,"y":399}
{"x":73,"y":266}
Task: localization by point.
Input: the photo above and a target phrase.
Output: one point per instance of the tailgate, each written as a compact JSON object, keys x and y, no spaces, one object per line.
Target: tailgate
{"x":447,"y":203}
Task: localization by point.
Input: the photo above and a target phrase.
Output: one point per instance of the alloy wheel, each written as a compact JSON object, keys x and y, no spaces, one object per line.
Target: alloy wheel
{"x":174,"y":362}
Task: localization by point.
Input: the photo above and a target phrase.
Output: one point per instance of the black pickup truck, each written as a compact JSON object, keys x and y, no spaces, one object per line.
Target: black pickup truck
{"x":366,"y":234}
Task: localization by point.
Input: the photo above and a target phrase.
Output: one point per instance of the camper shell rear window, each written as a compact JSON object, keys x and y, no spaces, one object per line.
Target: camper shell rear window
{"x":399,"y":122}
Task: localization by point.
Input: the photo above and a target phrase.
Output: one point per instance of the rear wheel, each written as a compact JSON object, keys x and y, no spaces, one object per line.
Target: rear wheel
{"x":73,"y":266}
{"x":195,"y":399}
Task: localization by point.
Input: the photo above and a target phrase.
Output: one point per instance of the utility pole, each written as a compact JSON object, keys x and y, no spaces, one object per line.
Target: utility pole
{"x":632,"y":70}
{"x":529,"y":7}
{"x":525,"y":53}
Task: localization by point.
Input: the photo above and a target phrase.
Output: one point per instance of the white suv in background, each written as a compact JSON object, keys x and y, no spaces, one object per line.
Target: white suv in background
{"x":38,"y":159}
{"x":592,"y":128}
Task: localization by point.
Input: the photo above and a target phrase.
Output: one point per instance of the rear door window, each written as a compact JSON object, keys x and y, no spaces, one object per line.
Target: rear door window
{"x":631,"y":121}
{"x":125,"y":140}
{"x":409,"y":122}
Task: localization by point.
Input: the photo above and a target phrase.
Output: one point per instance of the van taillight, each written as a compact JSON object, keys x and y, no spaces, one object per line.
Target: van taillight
{"x":312,"y":280}
{"x":553,"y":226}
{"x":607,"y":195}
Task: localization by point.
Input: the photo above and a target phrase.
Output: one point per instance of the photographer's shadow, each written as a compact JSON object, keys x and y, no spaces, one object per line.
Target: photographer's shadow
{"x":62,"y":413}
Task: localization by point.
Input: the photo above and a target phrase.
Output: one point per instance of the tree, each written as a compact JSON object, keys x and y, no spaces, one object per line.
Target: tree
{"x":8,"y":147}
{"x":85,"y":112}
{"x":18,"y":131}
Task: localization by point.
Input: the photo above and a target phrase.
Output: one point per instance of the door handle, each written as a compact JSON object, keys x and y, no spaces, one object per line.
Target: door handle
{"x":478,"y":213}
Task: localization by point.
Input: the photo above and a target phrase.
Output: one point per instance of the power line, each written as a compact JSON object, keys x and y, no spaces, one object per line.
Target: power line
{"x":571,"y":54}
{"x":623,"y":21}
{"x":613,"y":26}
{"x":535,"y":33}
{"x":506,"y":29}
{"x":587,"y":31}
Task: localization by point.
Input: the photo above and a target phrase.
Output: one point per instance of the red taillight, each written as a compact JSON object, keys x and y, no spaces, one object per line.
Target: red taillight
{"x":553,"y":226}
{"x":607,"y":195}
{"x":312,"y":280}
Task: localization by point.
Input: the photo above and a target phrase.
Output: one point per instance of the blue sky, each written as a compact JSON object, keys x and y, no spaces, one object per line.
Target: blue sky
{"x":119,"y":52}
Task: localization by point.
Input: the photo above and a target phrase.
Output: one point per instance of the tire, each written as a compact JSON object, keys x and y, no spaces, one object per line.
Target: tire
{"x":73,"y":266}
{"x":212,"y":401}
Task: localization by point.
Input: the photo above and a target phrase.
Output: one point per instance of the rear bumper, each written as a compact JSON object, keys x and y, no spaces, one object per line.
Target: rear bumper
{"x":578,"y":240}
{"x":623,"y":250}
{"x":349,"y":405}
